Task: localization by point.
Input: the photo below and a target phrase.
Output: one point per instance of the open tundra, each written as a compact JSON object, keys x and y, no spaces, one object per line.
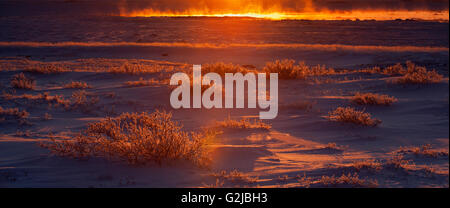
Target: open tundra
{"x":89,"y":106}
{"x":309,"y":144}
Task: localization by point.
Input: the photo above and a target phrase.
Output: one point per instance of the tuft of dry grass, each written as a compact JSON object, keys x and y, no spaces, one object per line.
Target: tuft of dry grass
{"x":425,"y":151}
{"x":419,"y":75}
{"x":137,"y":138}
{"x":222,"y":68}
{"x":135,"y":68}
{"x":348,"y":180}
{"x":45,"y":68}
{"x":77,"y":85}
{"x":393,"y":70}
{"x":398,"y":162}
{"x":287,"y":69}
{"x":412,"y":74}
{"x":243,"y":124}
{"x":8,"y":114}
{"x":334,"y":146}
{"x":142,"y":82}
{"x":218,"y":184}
{"x":373,"y":99}
{"x":235,"y":176}
{"x":351,"y":115}
{"x":79,"y":99}
{"x":20,"y":81}
{"x":370,"y":165}
{"x":83,"y":100}
{"x":38,"y":98}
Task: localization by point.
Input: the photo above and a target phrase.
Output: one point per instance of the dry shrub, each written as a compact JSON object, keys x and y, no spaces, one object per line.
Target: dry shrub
{"x":348,"y":180}
{"x":350,"y":115}
{"x":45,"y":68}
{"x":398,"y":162}
{"x":136,"y":68}
{"x":41,"y":98}
{"x":79,"y":99}
{"x":143,"y":82}
{"x":83,"y":100}
{"x":218,"y":184}
{"x":370,"y":165}
{"x":419,"y":75}
{"x":393,"y":70}
{"x":8,"y":114}
{"x":425,"y":151}
{"x":20,"y":81}
{"x":77,"y":85}
{"x":412,"y":74}
{"x":243,"y":124}
{"x":235,"y":176}
{"x":287,"y":69}
{"x":219,"y":68}
{"x":222,"y":68}
{"x":373,"y":99}
{"x":137,"y":139}
{"x":334,"y":146}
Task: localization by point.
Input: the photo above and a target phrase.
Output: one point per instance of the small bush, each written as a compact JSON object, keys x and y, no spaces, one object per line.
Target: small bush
{"x":142,"y":82}
{"x":222,"y":68}
{"x":218,"y":184}
{"x":77,"y":85}
{"x":350,"y":115}
{"x":137,"y":139}
{"x":424,"y":151}
{"x":41,"y":98}
{"x":398,"y":162}
{"x":287,"y":69}
{"x":419,"y":75}
{"x":244,"y":124}
{"x":334,"y":146}
{"x":83,"y":100}
{"x":412,"y":74}
{"x":348,"y":180}
{"x":393,"y":70}
{"x":235,"y":176}
{"x":7,"y":114}
{"x":136,"y":68}
{"x":45,"y":68}
{"x":370,"y":165}
{"x":373,"y":99}
{"x":20,"y":81}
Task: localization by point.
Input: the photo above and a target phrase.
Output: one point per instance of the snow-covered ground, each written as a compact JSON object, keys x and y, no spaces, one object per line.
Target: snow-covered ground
{"x":297,"y":151}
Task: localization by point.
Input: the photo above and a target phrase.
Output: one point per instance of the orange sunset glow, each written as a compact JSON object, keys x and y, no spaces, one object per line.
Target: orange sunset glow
{"x":286,"y":9}
{"x":323,"y":15}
